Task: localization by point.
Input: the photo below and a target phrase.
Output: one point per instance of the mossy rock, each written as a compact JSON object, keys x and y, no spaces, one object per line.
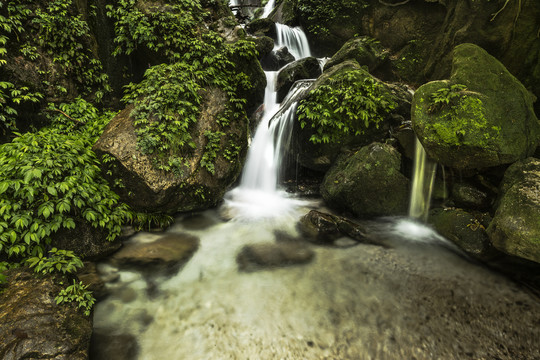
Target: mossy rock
{"x":490,"y":122}
{"x":366,"y":51}
{"x":515,"y":228}
{"x":285,"y":12}
{"x":262,"y":27}
{"x":465,"y":229}
{"x":368,"y":183}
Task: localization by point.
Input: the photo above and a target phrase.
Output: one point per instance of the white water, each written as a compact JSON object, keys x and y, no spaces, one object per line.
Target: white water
{"x":268,"y":8}
{"x":294,"y":39}
{"x":422,"y":183}
{"x":259,"y":195}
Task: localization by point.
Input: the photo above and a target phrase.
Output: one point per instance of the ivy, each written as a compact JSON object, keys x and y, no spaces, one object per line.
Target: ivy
{"x":352,"y":102}
{"x":446,"y":97}
{"x":77,"y":293}
{"x":211,"y":150}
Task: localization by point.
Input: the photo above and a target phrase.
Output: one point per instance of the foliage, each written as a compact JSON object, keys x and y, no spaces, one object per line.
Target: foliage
{"x":211,"y":150}
{"x":47,"y":179}
{"x":446,"y":97}
{"x":320,"y":15}
{"x":79,"y":293}
{"x":349,"y":104}
{"x":63,"y":261}
{"x":167,"y":102}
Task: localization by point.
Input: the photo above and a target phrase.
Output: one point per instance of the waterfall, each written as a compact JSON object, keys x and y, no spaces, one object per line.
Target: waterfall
{"x":294,"y":39}
{"x":422,"y":183}
{"x":268,"y":8}
{"x":258,"y":194}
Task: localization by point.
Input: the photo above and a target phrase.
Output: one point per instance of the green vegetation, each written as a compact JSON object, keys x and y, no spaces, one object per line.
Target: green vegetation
{"x":79,"y":293}
{"x":463,"y":116}
{"x":352,"y":102}
{"x":167,"y":102}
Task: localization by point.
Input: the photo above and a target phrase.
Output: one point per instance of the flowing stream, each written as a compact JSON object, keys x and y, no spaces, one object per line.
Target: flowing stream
{"x":412,"y":299}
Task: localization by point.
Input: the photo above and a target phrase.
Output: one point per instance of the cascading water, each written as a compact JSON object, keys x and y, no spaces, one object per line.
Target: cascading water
{"x":422,"y":183}
{"x":258,"y":195}
{"x":294,"y":39}
{"x":268,"y":8}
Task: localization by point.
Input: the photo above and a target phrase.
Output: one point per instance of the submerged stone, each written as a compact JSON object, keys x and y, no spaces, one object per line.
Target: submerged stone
{"x":169,"y":252}
{"x":272,"y":255}
{"x":515,"y":228}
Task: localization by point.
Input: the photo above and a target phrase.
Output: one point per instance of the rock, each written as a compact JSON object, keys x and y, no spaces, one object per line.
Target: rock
{"x":407,"y":140}
{"x":263,"y":44}
{"x":328,"y":229}
{"x":307,"y":68}
{"x":368,"y":182}
{"x":277,"y":59}
{"x":262,"y":27}
{"x":366,"y":51}
{"x":149,"y":189}
{"x":272,"y":255}
{"x":34,"y":327}
{"x":285,"y":13}
{"x":490,"y":123}
{"x":465,"y":229}
{"x":169,"y":252}
{"x":90,"y":277}
{"x":468,"y":196}
{"x":106,"y":345}
{"x":515,"y":228}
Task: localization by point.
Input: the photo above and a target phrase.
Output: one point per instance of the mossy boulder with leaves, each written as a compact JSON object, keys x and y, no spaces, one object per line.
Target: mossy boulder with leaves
{"x":181,"y":161}
{"x":345,"y":107}
{"x":515,"y":228}
{"x":366,"y":51}
{"x":34,"y":326}
{"x":368,"y":182}
{"x":481,"y":117}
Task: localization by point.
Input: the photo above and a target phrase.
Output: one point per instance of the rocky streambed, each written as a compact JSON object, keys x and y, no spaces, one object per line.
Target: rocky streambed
{"x":417,"y":297}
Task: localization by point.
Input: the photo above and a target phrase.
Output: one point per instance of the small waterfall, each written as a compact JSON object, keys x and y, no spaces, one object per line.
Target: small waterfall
{"x":294,"y":39}
{"x":268,"y":8}
{"x":422,"y":183}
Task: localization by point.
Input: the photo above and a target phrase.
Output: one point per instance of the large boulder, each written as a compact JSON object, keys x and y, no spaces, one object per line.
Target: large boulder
{"x":482,"y":117}
{"x":366,"y":51}
{"x":320,"y":156}
{"x":307,"y":68}
{"x":368,"y":183}
{"x":515,"y":228}
{"x":34,"y":327}
{"x":147,"y":188}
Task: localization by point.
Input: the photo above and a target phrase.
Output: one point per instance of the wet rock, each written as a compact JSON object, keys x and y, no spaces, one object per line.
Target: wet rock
{"x":106,"y":345}
{"x":86,"y":241}
{"x":263,"y":44}
{"x":473,"y":130}
{"x":515,"y":228}
{"x":90,"y":277}
{"x":262,"y":27}
{"x":34,"y":327}
{"x":168,"y":252}
{"x":368,"y":182}
{"x":465,"y":229}
{"x":277,"y":59}
{"x":366,"y":51}
{"x":471,"y":197}
{"x":272,"y":255}
{"x":307,"y":68}
{"x":328,"y":229}
{"x":407,"y":140}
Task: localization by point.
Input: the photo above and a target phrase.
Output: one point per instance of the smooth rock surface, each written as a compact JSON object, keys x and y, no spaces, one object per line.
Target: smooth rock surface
{"x":273,"y":255}
{"x":32,"y":326}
